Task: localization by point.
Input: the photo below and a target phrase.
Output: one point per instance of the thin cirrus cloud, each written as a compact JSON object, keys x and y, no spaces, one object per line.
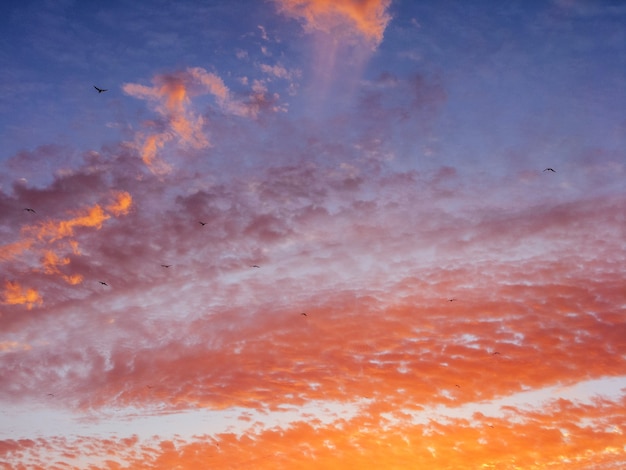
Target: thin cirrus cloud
{"x":171,"y":95}
{"x":345,"y":35}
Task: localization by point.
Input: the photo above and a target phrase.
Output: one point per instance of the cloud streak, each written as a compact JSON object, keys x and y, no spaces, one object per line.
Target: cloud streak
{"x":171,"y":95}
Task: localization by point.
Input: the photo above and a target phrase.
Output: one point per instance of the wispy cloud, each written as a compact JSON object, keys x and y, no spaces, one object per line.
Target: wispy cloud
{"x":366,"y":18}
{"x":171,"y":96}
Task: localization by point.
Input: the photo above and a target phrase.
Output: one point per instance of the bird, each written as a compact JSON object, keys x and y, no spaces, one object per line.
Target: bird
{"x":103,"y":283}
{"x":166,"y":265}
{"x":28,"y":209}
{"x":457,"y":386}
{"x":202,"y":223}
{"x":496,"y":352}
{"x":451,"y":300}
{"x":255,"y":266}
{"x":100,"y":90}
{"x":304,"y":313}
{"x":50,"y":394}
{"x":550,"y":169}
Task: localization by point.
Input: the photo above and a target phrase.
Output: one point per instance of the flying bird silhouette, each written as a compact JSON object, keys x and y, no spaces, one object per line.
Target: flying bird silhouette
{"x":550,"y":169}
{"x":166,"y":265}
{"x":303,"y":313}
{"x":451,"y":300}
{"x":100,"y":90}
{"x":28,"y":209}
{"x":494,"y":353}
{"x":255,"y":266}
{"x":104,"y":283}
{"x":202,"y":223}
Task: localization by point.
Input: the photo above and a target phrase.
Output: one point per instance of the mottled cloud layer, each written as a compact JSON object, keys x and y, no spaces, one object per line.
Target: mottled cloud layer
{"x":376,"y":277}
{"x":337,"y":286}
{"x":421,"y":289}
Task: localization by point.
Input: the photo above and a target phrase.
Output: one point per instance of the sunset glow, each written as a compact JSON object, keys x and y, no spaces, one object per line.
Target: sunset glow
{"x":313,"y":234}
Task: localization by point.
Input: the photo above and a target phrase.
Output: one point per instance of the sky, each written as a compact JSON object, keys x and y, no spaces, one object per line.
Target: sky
{"x":313,"y":234}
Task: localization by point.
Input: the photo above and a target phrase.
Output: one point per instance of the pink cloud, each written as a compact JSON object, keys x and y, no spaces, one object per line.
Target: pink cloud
{"x":172,"y":98}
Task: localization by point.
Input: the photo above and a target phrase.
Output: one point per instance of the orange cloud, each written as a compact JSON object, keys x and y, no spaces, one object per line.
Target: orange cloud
{"x":41,"y":239}
{"x":367,"y":17}
{"x":10,"y":251}
{"x":73,"y":279}
{"x":561,"y":434}
{"x":152,"y":144}
{"x":51,"y":262}
{"x":74,"y":245}
{"x":122,"y":204}
{"x":53,"y":230}
{"x":185,"y":125}
{"x":14,"y":294}
{"x":9,"y":346}
{"x":171,"y":93}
